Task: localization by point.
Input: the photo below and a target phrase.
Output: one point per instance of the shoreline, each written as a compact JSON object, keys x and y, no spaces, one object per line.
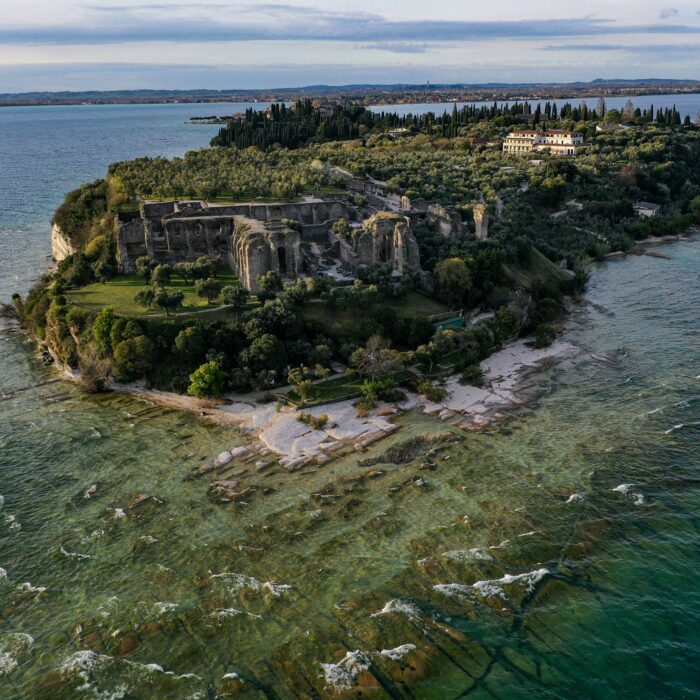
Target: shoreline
{"x":276,"y":433}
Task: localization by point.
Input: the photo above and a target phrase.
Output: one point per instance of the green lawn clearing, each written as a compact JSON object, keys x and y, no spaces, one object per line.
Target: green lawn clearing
{"x":120,"y":292}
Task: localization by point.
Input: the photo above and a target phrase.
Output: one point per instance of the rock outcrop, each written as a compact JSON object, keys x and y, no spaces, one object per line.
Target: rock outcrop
{"x":61,"y":246}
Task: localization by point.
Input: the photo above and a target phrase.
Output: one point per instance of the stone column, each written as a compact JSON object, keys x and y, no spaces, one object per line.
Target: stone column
{"x":481,"y":220}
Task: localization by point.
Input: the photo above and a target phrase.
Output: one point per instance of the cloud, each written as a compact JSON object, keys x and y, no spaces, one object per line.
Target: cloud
{"x":668,"y":12}
{"x":398,"y":48}
{"x":216,"y":22}
{"x":628,"y":48}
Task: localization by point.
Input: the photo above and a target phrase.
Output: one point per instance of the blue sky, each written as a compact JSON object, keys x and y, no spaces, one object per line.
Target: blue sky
{"x":113,"y":44}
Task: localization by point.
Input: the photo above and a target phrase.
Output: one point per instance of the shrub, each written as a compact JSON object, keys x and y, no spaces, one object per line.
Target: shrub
{"x":473,"y":375}
{"x":432,"y":392}
{"x":544,"y":336}
{"x":315,"y":422}
{"x":94,"y":370}
{"x":207,"y":381}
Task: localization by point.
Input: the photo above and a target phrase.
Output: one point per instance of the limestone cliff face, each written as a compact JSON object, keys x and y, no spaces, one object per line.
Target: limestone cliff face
{"x":61,"y":247}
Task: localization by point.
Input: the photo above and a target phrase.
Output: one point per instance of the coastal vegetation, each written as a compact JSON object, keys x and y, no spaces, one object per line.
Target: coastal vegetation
{"x":192,"y":328}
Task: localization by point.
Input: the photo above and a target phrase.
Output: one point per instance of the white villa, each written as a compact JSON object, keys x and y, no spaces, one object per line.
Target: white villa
{"x":557,"y":141}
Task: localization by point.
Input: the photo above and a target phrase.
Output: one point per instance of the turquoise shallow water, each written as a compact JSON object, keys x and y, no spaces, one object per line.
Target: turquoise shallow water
{"x":500,"y":583}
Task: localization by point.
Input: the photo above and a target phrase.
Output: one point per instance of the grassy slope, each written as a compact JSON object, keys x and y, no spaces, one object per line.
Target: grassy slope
{"x":120,"y":293}
{"x":541,"y":269}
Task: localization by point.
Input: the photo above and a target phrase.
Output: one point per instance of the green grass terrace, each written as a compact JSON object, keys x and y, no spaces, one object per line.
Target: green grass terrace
{"x":119,"y":293}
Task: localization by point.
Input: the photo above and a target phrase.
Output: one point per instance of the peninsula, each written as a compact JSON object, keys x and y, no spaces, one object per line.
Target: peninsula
{"x":342,"y":265}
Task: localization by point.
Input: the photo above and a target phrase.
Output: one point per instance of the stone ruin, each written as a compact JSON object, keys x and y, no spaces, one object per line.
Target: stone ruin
{"x":292,"y":239}
{"x":289,"y":239}
{"x":481,"y":221}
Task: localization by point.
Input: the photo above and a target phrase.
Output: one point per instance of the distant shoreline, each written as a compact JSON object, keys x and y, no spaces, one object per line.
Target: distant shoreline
{"x":369,"y":95}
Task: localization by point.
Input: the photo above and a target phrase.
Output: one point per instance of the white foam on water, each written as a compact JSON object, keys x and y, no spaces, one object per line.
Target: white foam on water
{"x":73,"y":555}
{"x":452,"y":590}
{"x":493,"y":588}
{"x":2,"y":501}
{"x":12,"y":523}
{"x":3,"y":574}
{"x":163,"y":608}
{"x":238,"y":582}
{"x":27,"y":587}
{"x":148,"y":539}
{"x":90,"y":491}
{"x":626,"y":490}
{"x":342,"y":675}
{"x":225,"y":613}
{"x":680,"y":426}
{"x":473,"y":554}
{"x":232,"y":676}
{"x":83,"y":663}
{"x":576,"y":498}
{"x":398,"y":606}
{"x":119,"y":514}
{"x":528,"y":534}
{"x":13,"y":646}
{"x":397,"y":653}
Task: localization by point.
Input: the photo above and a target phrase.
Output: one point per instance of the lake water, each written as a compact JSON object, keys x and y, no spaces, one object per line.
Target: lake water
{"x":686,"y":104}
{"x":555,"y":557}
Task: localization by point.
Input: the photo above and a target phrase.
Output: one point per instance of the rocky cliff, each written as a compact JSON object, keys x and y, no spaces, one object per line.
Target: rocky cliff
{"x":61,"y":247}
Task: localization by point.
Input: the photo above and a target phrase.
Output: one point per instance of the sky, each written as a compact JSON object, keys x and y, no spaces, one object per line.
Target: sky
{"x":184,"y":44}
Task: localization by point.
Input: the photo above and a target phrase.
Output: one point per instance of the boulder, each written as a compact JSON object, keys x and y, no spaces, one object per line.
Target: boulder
{"x":223,"y":458}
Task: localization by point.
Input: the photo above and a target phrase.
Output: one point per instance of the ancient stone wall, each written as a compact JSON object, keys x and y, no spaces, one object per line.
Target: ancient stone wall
{"x":446,"y":219}
{"x":386,"y":238}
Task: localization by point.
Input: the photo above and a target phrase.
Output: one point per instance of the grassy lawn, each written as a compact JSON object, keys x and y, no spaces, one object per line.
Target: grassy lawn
{"x":120,"y":293}
{"x":330,"y":390}
{"x":339,"y":388}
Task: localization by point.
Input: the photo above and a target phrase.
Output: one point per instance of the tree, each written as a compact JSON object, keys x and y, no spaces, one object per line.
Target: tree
{"x":452,"y":280}
{"x":628,"y":110}
{"x":270,"y":283}
{"x":102,"y":327}
{"x":600,"y":110}
{"x":145,"y":297}
{"x":207,"y":381}
{"x":341,"y":228}
{"x":264,"y":353}
{"x":133,"y":358}
{"x":144,"y":265}
{"x":300,"y":379}
{"x":237,"y":297}
{"x":169,"y":301}
{"x":376,"y":359}
{"x":507,"y":324}
{"x":203,"y":268}
{"x":190,"y":343}
{"x":161,"y":275}
{"x":208,"y":288}
{"x":185,"y":270}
